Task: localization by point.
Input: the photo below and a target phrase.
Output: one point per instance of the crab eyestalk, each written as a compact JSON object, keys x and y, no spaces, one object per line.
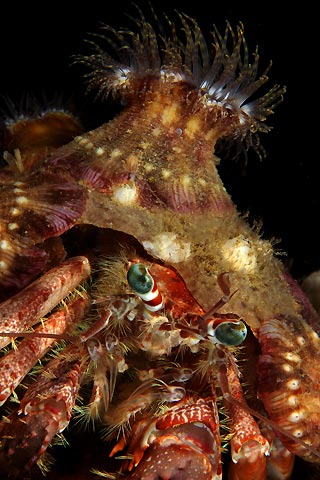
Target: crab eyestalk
{"x":144,"y":285}
{"x":230,"y":333}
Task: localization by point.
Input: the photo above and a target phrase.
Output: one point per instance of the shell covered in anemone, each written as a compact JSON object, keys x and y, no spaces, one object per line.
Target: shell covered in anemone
{"x":155,"y":160}
{"x":151,"y":173}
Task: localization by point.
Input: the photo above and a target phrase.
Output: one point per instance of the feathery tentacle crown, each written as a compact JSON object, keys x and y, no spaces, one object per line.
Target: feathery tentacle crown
{"x":221,"y":73}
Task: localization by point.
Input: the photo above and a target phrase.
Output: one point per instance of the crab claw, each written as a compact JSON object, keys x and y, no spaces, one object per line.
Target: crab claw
{"x":290,"y":386}
{"x":186,"y":451}
{"x":289,"y":376}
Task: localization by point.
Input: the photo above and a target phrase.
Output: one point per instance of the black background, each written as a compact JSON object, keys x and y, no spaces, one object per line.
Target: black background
{"x":36,"y":44}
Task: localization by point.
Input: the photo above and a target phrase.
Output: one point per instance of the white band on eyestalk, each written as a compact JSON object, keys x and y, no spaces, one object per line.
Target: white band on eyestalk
{"x":152,"y":300}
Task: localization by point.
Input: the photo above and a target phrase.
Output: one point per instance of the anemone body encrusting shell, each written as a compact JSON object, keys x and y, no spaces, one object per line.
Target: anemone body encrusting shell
{"x":154,"y":164}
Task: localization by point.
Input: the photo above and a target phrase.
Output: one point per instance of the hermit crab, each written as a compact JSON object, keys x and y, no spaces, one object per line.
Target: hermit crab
{"x":174,"y":332}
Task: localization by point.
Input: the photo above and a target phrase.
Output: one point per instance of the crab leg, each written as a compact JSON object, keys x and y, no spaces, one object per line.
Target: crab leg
{"x":248,"y":446}
{"x":17,"y":363}
{"x":35,"y":301}
{"x":44,"y":411}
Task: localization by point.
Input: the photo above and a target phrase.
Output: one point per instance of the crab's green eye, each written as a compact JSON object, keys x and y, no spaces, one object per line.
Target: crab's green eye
{"x":231,"y":334}
{"x":140,"y":279}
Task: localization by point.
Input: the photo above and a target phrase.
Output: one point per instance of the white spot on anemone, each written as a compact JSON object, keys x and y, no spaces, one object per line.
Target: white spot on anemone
{"x":239,"y":253}
{"x":13,"y":226}
{"x":126,"y":194}
{"x":83,"y":141}
{"x":22,"y":200}
{"x":166,"y":173}
{"x":14,"y":211}
{"x":100,"y":151}
{"x":116,"y":152}
{"x":167,"y":247}
{"x":89,"y":146}
{"x":4,"y":245}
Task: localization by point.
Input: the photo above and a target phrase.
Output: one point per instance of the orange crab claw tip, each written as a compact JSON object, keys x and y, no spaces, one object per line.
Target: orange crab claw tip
{"x":248,"y":469}
{"x":118,"y":447}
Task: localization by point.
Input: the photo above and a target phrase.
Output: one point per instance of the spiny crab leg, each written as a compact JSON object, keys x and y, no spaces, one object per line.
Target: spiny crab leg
{"x":15,"y":365}
{"x":44,"y":411}
{"x":248,"y":446}
{"x":35,"y":301}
